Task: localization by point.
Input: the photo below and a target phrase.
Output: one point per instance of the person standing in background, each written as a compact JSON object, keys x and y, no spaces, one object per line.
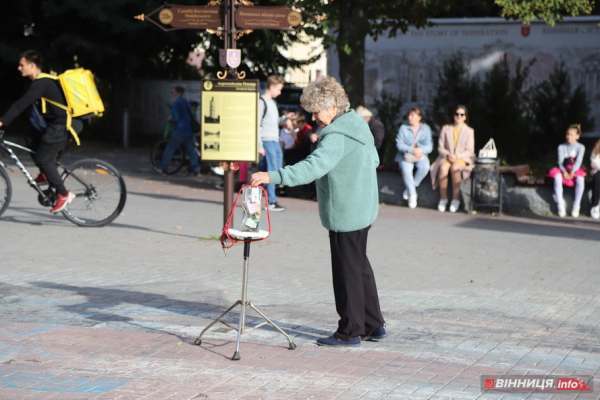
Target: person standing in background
{"x":377,"y":129}
{"x":181,"y":118}
{"x":268,"y":136}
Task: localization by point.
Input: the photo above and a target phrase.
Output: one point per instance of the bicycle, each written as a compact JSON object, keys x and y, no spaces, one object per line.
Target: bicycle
{"x":99,"y":189}
{"x":180,"y":155}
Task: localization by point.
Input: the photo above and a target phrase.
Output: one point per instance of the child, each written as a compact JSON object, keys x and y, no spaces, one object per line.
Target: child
{"x":569,"y":171}
{"x":287,"y":135}
{"x":595,"y":161}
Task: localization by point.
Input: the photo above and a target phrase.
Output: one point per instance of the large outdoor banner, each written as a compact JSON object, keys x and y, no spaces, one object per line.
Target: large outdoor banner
{"x":409,"y":64}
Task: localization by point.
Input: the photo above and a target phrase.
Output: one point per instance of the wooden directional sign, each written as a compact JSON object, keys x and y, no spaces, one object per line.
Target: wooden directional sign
{"x":173,"y":17}
{"x":273,"y":17}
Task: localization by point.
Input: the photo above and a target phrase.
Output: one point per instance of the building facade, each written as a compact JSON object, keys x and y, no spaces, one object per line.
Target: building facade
{"x":409,"y":65}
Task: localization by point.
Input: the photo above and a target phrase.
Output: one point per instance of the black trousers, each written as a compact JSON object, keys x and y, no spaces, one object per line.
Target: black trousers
{"x":48,"y":147}
{"x":356,"y":299}
{"x":595,"y":189}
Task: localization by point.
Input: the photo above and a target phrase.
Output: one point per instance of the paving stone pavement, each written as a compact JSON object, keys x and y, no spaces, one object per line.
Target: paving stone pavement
{"x":112,"y":313}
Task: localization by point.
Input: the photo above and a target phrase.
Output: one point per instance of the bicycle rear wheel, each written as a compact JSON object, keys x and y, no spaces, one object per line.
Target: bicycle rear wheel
{"x":176,"y":161}
{"x":100,"y":193}
{"x":5,"y":190}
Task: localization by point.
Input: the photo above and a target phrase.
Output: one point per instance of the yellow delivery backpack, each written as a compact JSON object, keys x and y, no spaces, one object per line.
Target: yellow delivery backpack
{"x":81,"y":94}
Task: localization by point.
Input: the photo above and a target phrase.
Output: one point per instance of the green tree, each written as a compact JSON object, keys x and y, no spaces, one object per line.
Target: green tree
{"x":549,"y":11}
{"x":388,"y":112}
{"x":351,"y":21}
{"x":555,"y":106}
{"x":506,"y":110}
{"x":456,"y":86}
{"x":105,"y":38}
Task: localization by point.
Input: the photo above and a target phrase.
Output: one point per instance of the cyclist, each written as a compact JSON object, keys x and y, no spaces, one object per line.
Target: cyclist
{"x":181,"y":117}
{"x":49,"y":142}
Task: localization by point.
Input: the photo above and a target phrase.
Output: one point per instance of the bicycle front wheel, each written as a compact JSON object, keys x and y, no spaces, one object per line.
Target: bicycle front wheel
{"x":176,"y":161}
{"x":5,"y":190}
{"x":100,"y":193}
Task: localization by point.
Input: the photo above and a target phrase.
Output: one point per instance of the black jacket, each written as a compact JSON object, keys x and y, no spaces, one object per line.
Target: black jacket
{"x":43,"y":87}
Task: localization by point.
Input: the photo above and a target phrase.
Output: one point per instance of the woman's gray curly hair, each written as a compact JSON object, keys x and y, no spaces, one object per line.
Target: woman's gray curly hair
{"x":322,"y":94}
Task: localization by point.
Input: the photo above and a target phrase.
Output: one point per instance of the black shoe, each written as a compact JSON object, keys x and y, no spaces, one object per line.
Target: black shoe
{"x":376,"y":335}
{"x":194,"y":173}
{"x":333,"y":342}
{"x":276,"y":207}
{"x":160,"y":171}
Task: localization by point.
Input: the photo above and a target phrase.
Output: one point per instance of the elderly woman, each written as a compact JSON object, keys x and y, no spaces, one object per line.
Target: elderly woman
{"x":344,"y":166}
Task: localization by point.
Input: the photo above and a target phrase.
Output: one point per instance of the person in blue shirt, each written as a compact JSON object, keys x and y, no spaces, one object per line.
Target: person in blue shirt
{"x":181,"y":118}
{"x":414,"y":143}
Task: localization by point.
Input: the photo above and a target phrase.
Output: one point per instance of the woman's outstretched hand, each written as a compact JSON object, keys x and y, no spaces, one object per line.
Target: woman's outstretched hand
{"x":260,"y":178}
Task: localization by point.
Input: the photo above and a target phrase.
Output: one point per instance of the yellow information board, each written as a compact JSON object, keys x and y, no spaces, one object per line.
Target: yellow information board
{"x":229,"y":120}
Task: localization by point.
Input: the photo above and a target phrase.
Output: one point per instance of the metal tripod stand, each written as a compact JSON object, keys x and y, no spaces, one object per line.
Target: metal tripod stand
{"x":244,"y":302}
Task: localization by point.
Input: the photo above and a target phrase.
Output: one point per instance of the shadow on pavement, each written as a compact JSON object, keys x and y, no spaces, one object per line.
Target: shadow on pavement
{"x":104,"y":299}
{"x":172,"y":197}
{"x":539,"y":226}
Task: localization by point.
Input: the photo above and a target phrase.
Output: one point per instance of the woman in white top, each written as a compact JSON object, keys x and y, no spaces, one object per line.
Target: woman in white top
{"x":569,"y":171}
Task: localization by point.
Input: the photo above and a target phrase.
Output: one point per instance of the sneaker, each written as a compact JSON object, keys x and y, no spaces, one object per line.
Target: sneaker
{"x":194,"y":173}
{"x":275,"y":207}
{"x":218,"y":170}
{"x":412,"y":200}
{"x":575,"y":212}
{"x":332,"y":342}
{"x":561,"y":210}
{"x":454,"y":205}
{"x":405,"y":194}
{"x":62,"y":202}
{"x":595,"y":212}
{"x":219,"y":186}
{"x":160,"y":171}
{"x":376,"y":335}
{"x":41,"y":178}
{"x":442,"y":205}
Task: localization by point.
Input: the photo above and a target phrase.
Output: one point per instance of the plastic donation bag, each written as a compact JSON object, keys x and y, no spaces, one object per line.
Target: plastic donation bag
{"x":251,"y":206}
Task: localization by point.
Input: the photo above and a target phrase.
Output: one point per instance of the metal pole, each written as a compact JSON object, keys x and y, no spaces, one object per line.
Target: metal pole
{"x":229,"y":177}
{"x":125,"y":128}
{"x":244,"y":301}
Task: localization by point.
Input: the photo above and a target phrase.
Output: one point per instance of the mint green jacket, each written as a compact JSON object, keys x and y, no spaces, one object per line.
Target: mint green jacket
{"x":344,"y":165}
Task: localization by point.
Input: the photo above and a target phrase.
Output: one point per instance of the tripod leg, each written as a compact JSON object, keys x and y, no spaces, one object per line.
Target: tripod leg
{"x":198,"y":340}
{"x":292,"y":344}
{"x":236,"y":355}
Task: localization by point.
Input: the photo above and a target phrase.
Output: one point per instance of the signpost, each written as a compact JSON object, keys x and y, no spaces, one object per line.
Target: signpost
{"x":276,"y":17}
{"x":185,"y":17}
{"x":223,"y":18}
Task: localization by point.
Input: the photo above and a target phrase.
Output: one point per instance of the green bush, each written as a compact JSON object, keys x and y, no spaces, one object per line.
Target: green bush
{"x":388,"y":112}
